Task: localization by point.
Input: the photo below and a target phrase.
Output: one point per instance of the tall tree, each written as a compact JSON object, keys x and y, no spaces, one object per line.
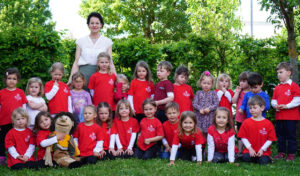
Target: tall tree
{"x":216,"y":19}
{"x":285,"y":10}
{"x":157,"y":20}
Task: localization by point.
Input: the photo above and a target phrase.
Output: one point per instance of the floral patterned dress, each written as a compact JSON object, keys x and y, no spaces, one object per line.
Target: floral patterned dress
{"x":204,"y":100}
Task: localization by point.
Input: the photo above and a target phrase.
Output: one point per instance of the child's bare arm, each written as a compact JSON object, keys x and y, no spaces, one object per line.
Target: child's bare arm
{"x":153,"y":139}
{"x":165,"y":100}
{"x":236,"y":94}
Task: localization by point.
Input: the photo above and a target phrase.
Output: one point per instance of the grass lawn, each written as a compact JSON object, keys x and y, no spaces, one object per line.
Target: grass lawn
{"x":160,"y":167}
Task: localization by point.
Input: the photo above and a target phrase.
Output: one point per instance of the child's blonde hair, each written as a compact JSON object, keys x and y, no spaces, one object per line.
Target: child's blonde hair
{"x":123,"y":77}
{"x":110,"y":117}
{"x":166,"y":65}
{"x":22,"y":112}
{"x":229,"y":125}
{"x":145,"y":66}
{"x":57,"y":66}
{"x":183,"y":116}
{"x":222,"y":77}
{"x":107,"y":56}
{"x":127,"y":104}
{"x":35,"y":80}
{"x":172,"y":105}
{"x":205,"y":74}
{"x":90,"y":107}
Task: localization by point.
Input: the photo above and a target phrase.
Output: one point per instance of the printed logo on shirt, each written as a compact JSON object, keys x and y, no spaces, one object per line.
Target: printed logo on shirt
{"x":129,"y":130}
{"x":108,"y":131}
{"x":175,"y":131}
{"x":18,"y":97}
{"x":27,"y":138}
{"x":66,"y":90}
{"x":186,"y":94}
{"x":263,"y":131}
{"x":150,"y":128}
{"x":288,"y":92}
{"x":111,"y":82}
{"x":93,"y":136}
{"x":161,"y":88}
{"x":148,"y":89}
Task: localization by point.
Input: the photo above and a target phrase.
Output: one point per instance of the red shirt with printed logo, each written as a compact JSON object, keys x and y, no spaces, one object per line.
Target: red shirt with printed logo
{"x":21,"y":141}
{"x":60,"y":101}
{"x":88,"y":137}
{"x":224,"y":102}
{"x":284,"y":94}
{"x":106,"y":134}
{"x":189,"y":141}
{"x":183,"y":95}
{"x":170,"y":130}
{"x":41,"y":135}
{"x":161,"y":90}
{"x":220,"y":140}
{"x":140,"y":91}
{"x":125,"y":130}
{"x":9,"y":101}
{"x":149,"y":128}
{"x":257,"y":133}
{"x":103,"y":85}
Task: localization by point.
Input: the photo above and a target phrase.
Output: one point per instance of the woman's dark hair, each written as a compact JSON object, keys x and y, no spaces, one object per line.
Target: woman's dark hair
{"x":97,"y":15}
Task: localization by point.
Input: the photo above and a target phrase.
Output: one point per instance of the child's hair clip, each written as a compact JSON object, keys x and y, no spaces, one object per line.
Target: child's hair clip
{"x":207,"y":73}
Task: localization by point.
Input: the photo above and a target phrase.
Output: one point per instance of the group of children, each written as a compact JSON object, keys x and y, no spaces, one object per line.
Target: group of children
{"x":166,"y":118}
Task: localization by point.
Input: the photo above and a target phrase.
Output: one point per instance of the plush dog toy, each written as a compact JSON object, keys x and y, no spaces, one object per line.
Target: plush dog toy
{"x":64,"y":151}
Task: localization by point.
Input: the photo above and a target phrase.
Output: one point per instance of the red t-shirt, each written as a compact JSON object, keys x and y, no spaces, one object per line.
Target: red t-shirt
{"x":161,"y":90}
{"x":224,"y":102}
{"x":88,"y":137}
{"x":9,"y":101}
{"x":60,"y":101}
{"x":103,"y":85}
{"x":125,"y":130}
{"x":257,"y":133}
{"x":189,"y":141}
{"x":220,"y":140}
{"x":106,"y":134}
{"x":149,"y":128}
{"x":140,"y":91}
{"x":41,"y":135}
{"x":21,"y":141}
{"x":284,"y":94}
{"x":170,"y":130}
{"x":183,"y":95}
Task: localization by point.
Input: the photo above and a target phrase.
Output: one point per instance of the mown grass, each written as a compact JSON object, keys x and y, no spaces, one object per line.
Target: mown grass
{"x":160,"y":167}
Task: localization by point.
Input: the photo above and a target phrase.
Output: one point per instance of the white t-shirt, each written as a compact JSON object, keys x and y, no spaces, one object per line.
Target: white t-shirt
{"x":90,"y":51}
{"x":32,"y":112}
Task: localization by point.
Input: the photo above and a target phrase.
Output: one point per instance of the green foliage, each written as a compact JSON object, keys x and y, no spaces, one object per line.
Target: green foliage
{"x":156,"y":20}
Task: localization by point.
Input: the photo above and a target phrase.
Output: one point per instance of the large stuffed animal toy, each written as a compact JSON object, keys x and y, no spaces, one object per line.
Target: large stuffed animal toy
{"x":64,"y":151}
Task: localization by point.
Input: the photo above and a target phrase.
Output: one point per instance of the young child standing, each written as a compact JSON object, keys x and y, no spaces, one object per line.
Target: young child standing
{"x":88,"y":137}
{"x":224,"y":92}
{"x":102,"y":83}
{"x":127,"y":128}
{"x":11,"y":98}
{"x":80,"y":98}
{"x":183,"y":93}
{"x":105,"y":121}
{"x":220,"y":138}
{"x":36,"y":103}
{"x":255,"y":82}
{"x":57,"y":92}
{"x":190,"y":138}
{"x":286,"y":100}
{"x":238,"y":97}
{"x":205,"y":102}
{"x":163,"y":90}
{"x":122,"y":86}
{"x":141,"y":88}
{"x":42,"y":131}
{"x":19,"y":142}
{"x":257,"y":133}
{"x":151,"y":132}
{"x":170,"y":127}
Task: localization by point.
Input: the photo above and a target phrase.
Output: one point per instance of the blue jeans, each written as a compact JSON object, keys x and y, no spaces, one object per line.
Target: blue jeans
{"x":261,"y":160}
